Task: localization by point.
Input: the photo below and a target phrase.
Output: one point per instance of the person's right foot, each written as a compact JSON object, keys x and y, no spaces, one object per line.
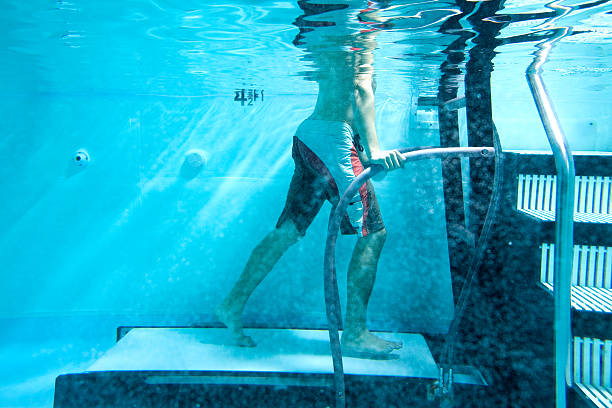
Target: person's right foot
{"x":368,"y":345}
{"x":233,"y":322}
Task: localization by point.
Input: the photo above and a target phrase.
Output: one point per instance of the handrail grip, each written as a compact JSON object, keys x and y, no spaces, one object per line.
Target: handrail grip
{"x":564,"y":220}
{"x":332,"y":297}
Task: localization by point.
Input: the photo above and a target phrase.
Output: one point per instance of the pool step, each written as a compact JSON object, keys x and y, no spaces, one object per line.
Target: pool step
{"x":593,"y":370}
{"x":591,"y":276}
{"x":589,"y":299}
{"x":536,"y":197}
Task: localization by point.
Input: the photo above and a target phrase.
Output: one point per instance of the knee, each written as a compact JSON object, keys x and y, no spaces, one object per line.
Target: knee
{"x":287,"y":233}
{"x":378,"y":238}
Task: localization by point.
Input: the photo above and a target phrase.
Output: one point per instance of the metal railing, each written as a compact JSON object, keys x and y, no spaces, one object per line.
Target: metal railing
{"x":564,"y":217}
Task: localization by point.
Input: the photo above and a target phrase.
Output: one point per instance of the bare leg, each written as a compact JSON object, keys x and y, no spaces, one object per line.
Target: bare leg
{"x":260,"y":263}
{"x":361,"y":275}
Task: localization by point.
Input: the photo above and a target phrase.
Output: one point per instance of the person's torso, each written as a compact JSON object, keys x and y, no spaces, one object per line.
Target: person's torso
{"x":336,"y":97}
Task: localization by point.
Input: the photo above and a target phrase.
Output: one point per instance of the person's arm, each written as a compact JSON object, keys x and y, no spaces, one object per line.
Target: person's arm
{"x":364,"y":87}
{"x":365,"y":114}
{"x":365,"y":123}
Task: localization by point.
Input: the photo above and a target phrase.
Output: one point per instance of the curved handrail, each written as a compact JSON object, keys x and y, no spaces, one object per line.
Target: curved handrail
{"x":332,"y":297}
{"x":564,"y":217}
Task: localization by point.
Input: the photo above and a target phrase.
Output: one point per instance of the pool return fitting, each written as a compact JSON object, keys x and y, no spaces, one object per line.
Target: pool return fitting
{"x":81,"y":158}
{"x":194,"y":162}
{"x":332,"y":297}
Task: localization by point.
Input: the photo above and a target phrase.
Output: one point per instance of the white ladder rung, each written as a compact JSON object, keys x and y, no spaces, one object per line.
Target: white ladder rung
{"x":544,"y":263}
{"x":577,"y":359}
{"x":591,"y":263}
{"x":548,"y":193}
{"x":608,"y":268}
{"x":596,"y":362}
{"x":540,"y":194}
{"x":607,"y":362}
{"x":600,"y":267}
{"x":532,"y":191}
{"x":519,"y":193}
{"x":577,"y":189}
{"x":605,"y":196}
{"x":586,"y":360}
{"x":584,"y":257}
{"x":575,"y":265}
{"x":597,"y":202}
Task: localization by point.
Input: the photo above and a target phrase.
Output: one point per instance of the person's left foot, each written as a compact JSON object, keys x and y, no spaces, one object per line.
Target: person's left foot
{"x":233,"y":322}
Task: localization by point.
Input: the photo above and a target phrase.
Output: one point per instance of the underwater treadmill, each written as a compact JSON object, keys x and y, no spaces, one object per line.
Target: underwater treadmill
{"x":197,"y":367}
{"x":166,"y":367}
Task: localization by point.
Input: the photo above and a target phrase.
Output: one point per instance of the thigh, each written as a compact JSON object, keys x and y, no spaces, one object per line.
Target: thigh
{"x":363,"y":215}
{"x":306,"y":195}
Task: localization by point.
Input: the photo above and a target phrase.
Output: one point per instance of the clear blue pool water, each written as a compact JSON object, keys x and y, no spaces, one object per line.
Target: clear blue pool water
{"x":137,"y":84}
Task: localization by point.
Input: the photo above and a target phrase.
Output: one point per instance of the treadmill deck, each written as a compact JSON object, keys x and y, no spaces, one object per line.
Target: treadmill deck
{"x":278,"y":350}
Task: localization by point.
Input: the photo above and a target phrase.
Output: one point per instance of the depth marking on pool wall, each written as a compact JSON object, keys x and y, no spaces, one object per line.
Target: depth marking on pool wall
{"x":249,"y":95}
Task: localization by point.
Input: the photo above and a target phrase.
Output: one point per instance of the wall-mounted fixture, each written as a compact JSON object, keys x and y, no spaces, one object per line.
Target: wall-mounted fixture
{"x":195,"y":160}
{"x":427,"y":113}
{"x":81,"y":158}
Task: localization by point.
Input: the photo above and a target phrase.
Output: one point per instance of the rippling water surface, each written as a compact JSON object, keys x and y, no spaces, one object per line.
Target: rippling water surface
{"x":174,"y":47}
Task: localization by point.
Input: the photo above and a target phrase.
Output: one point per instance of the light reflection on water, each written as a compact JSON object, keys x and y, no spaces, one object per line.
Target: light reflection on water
{"x":175,"y":47}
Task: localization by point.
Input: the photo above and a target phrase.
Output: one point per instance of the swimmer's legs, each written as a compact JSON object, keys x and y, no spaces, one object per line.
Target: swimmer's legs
{"x":356,"y":337}
{"x":260,"y":263}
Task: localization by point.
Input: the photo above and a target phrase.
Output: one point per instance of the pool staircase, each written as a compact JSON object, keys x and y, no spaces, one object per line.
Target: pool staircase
{"x":591,"y":286}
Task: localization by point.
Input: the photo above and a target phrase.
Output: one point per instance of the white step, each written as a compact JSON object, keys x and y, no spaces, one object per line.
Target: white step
{"x":536,"y":196}
{"x":591,"y":276}
{"x":592,"y":369}
{"x":589,"y":299}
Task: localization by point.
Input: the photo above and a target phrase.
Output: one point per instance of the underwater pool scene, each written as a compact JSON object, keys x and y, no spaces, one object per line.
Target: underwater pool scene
{"x":313,"y":203}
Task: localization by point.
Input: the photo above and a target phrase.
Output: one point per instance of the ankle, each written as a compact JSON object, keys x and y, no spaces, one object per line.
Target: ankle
{"x":354,"y":333}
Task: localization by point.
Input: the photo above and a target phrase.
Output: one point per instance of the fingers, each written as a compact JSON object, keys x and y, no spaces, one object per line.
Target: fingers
{"x":402,"y":159}
{"x":387,"y":163}
{"x":390,"y":159}
{"x":396,"y":160}
{"x":383,"y":160}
